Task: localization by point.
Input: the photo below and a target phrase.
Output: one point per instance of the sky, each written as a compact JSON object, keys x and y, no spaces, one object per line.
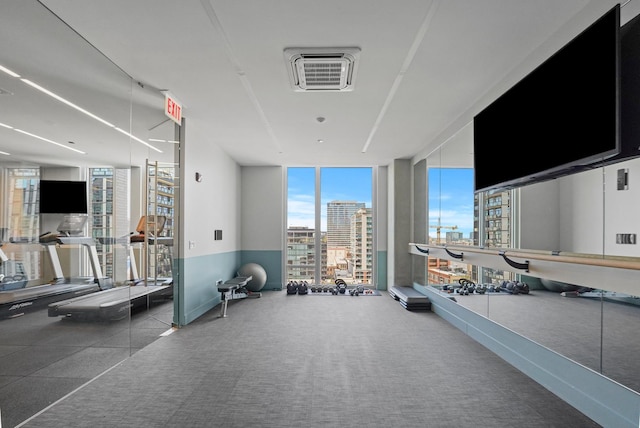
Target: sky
{"x":336,"y":184}
{"x":450,"y":195}
{"x":451,"y":200}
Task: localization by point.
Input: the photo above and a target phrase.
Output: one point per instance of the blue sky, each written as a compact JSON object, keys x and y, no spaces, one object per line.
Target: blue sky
{"x":451,"y":199}
{"x":450,"y":195}
{"x":336,"y":184}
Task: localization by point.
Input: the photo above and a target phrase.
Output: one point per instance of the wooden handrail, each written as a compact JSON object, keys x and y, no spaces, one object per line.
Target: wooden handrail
{"x":552,"y":256}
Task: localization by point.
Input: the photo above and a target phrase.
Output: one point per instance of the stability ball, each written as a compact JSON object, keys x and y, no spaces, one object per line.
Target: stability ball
{"x":257,"y":272}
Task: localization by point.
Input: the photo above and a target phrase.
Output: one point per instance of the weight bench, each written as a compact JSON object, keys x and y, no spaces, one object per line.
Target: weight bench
{"x":231,"y":289}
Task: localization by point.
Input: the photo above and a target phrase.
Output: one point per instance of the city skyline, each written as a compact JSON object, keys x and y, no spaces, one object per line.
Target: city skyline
{"x":336,"y":184}
{"x":451,"y":195}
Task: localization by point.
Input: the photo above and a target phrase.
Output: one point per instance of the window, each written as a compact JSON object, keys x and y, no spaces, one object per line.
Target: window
{"x":330,"y":225}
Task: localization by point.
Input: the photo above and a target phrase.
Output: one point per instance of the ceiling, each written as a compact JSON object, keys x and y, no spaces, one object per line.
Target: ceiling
{"x":424,"y":69}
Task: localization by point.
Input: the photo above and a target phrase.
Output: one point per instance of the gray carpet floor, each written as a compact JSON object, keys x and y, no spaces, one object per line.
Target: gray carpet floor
{"x":44,"y":358}
{"x":294,"y":361}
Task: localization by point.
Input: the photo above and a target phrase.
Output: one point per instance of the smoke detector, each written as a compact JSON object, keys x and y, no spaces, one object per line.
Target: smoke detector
{"x":322,"y":69}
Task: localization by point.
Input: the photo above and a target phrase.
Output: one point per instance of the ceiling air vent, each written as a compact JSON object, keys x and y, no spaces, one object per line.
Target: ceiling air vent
{"x":322,"y":69}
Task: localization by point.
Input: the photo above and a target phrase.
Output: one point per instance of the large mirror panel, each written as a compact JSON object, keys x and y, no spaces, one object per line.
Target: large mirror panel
{"x":80,"y":143}
{"x":589,"y":216}
{"x":578,"y":233}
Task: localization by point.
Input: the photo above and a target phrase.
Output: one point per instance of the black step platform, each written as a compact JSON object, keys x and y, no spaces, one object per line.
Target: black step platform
{"x":410,"y":299}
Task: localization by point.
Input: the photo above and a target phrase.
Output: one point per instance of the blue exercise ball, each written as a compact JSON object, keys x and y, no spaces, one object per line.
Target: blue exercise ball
{"x":258,"y":274}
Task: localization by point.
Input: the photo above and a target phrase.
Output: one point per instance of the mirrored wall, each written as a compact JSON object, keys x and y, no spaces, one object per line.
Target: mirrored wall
{"x":585,"y":220}
{"x":88,"y":195}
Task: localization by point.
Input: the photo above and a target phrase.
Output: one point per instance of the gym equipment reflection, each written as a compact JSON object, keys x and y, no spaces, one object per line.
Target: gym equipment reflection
{"x":115,"y":303}
{"x":17,"y":302}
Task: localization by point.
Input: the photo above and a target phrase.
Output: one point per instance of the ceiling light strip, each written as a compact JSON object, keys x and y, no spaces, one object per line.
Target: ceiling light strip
{"x":49,"y":141}
{"x":157,"y":140}
{"x":72,"y":105}
{"x":137,"y":139}
{"x":9,"y":72}
{"x":64,"y":101}
{"x":405,"y":66}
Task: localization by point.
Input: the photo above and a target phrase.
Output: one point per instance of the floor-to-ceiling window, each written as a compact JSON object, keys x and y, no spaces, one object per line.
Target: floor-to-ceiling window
{"x":301,"y":225}
{"x":330,"y":225}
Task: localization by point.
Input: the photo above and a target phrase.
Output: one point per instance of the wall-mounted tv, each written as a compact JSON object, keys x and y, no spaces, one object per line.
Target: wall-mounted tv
{"x":63,"y":197}
{"x":559,"y":119}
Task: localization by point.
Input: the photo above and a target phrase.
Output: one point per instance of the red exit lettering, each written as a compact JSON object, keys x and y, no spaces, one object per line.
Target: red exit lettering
{"x":173,"y":109}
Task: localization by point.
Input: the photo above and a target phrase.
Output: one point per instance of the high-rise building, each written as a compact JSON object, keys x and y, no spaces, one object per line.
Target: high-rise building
{"x":451,"y":237}
{"x":495,"y":230}
{"x":361,"y":245}
{"x":301,"y":262}
{"x":339,"y":222}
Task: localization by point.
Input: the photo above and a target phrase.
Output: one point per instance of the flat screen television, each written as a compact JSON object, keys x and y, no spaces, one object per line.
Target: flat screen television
{"x":63,"y":197}
{"x":559,"y":119}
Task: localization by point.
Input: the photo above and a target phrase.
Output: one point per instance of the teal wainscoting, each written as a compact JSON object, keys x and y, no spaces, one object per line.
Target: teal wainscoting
{"x":195,"y":290}
{"x":607,"y":402}
{"x":271,"y":261}
{"x":381,"y":267}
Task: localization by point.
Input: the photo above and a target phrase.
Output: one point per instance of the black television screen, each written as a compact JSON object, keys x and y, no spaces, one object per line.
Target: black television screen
{"x":63,"y":197}
{"x":560,"y":117}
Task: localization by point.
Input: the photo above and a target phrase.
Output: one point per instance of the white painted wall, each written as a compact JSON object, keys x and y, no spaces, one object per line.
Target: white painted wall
{"x":262,"y":210}
{"x":213,"y":203}
{"x":539,"y":216}
{"x":582,"y":213}
{"x":391,"y":271}
{"x":399,"y":232}
{"x":382,"y":203}
{"x":622,"y":209}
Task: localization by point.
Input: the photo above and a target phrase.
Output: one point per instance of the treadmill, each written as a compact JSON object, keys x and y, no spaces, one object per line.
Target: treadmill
{"x":17,"y":302}
{"x":12,"y":274}
{"x":116,"y":303}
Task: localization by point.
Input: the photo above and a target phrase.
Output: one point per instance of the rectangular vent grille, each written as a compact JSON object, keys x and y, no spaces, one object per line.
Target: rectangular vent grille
{"x":317,"y":74}
{"x":322,"y":69}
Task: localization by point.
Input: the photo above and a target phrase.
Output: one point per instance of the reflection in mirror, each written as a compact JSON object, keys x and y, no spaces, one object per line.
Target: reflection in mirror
{"x":589,"y":215}
{"x":154,"y":210}
{"x":587,"y":315}
{"x":66,"y":116}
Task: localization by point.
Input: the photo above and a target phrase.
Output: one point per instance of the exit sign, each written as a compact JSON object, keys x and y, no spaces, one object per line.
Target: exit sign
{"x":172,"y":108}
